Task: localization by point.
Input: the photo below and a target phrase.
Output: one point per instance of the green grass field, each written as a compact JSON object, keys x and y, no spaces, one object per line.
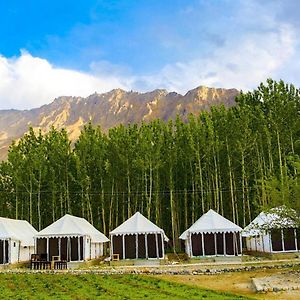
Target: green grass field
{"x":65,"y":286}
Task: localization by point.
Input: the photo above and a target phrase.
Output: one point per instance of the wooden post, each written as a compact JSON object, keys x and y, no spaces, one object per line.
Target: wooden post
{"x":156,"y":243}
{"x":146,"y":245}
{"x":202,"y":240}
{"x":136,"y":246}
{"x":123,"y":245}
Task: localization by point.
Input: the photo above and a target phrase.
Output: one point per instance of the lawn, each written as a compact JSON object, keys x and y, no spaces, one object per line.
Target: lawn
{"x":66,"y":286}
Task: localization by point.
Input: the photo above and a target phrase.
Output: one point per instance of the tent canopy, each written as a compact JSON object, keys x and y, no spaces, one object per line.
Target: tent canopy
{"x":72,"y":226}
{"x":138,"y":224}
{"x":19,"y":230}
{"x":211,"y":222}
{"x":275,"y":218}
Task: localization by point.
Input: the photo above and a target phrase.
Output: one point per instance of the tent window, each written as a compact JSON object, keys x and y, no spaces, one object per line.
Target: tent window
{"x":14,"y":244}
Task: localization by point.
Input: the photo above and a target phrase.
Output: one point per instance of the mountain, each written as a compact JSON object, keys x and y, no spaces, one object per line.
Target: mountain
{"x":108,"y":110}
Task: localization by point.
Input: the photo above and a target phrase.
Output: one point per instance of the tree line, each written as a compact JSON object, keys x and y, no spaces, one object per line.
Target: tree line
{"x":236,"y":161}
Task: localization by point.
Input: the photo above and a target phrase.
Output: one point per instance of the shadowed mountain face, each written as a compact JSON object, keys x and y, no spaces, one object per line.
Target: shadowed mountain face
{"x":108,"y":110}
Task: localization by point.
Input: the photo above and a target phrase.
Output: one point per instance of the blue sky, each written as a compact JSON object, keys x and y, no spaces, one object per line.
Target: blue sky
{"x":54,"y":48}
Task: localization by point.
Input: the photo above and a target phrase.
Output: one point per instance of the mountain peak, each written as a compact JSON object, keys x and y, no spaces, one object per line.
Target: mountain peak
{"x":109,"y":109}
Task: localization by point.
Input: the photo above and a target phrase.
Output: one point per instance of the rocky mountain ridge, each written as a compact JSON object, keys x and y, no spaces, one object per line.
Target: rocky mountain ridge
{"x":108,"y":110}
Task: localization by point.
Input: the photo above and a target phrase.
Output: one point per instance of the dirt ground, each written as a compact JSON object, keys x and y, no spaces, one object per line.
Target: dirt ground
{"x":239,"y":283}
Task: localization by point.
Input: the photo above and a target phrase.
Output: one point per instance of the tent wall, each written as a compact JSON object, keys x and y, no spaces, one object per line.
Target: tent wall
{"x":213,"y":244}
{"x":13,"y":252}
{"x":141,"y":246}
{"x":220,"y":244}
{"x":25,"y":253}
{"x":69,"y":248}
{"x":96,"y":250}
{"x":289,"y":239}
{"x":278,"y":240}
{"x":53,"y":247}
{"x":196,"y":244}
{"x":138,"y":246}
{"x":209,"y":244}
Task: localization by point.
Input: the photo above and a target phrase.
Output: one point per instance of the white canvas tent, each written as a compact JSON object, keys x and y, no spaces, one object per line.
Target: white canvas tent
{"x":137,"y":238}
{"x":71,"y":238}
{"x":212,"y":235}
{"x":16,"y":240}
{"x":273,"y":231}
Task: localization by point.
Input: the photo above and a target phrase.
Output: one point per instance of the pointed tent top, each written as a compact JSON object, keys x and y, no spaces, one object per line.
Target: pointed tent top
{"x":19,"y":230}
{"x":277,"y":217}
{"x":137,"y":224}
{"x":211,"y":222}
{"x":73,"y":226}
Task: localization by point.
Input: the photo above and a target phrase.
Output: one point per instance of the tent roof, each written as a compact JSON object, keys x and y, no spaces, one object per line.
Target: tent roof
{"x":277,"y":217}
{"x":73,"y":226}
{"x":137,"y":224}
{"x":211,"y":222}
{"x":19,"y":230}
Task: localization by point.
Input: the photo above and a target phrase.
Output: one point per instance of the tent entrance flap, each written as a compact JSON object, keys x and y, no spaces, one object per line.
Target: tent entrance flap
{"x":276,"y":239}
{"x":289,"y":239}
{"x":4,"y":252}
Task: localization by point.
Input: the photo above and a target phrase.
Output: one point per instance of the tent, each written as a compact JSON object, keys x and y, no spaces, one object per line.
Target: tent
{"x":16,"y":240}
{"x":137,"y":238}
{"x":71,"y":238}
{"x":273,"y":231}
{"x":212,"y":235}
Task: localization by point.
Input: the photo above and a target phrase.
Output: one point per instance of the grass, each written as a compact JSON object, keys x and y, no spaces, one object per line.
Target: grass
{"x":66,"y":286}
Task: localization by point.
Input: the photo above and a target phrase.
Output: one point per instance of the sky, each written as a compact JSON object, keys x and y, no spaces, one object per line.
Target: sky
{"x":76,"y":48}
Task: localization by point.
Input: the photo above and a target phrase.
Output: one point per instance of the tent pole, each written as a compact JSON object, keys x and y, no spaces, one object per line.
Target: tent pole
{"x":136,"y":246}
{"x":111,"y":246}
{"x":234,"y":243}
{"x":69,"y":256}
{"x":4,"y":262}
{"x":156,"y":242}
{"x":215,"y":242}
{"x":78,"y":247}
{"x":241,"y":243}
{"x":270,"y":241}
{"x":123,"y":245}
{"x":296,"y":244}
{"x":190,"y":244}
{"x":146,"y":245}
{"x":47,"y":246}
{"x":59,"y":247}
{"x":162,"y":245}
{"x":282,"y":240}
{"x":202,"y":241}
{"x":224,"y":242}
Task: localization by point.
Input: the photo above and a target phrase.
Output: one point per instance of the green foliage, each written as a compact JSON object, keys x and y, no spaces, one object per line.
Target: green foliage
{"x":236,"y":161}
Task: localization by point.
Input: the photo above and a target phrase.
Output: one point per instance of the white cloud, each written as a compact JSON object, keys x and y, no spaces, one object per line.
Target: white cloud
{"x":28,"y":82}
{"x":242,"y":61}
